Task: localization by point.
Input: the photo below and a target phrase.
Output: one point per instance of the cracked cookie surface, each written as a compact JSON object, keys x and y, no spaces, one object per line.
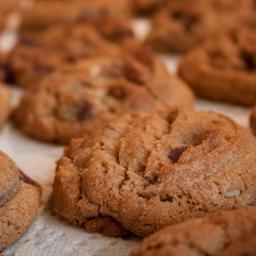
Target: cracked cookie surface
{"x":223,"y":233}
{"x":19,"y":202}
{"x":70,"y":99}
{"x":225,"y":68}
{"x":148,"y":171}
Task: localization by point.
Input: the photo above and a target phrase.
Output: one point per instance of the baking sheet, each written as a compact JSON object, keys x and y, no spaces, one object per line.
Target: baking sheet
{"x":49,"y":235}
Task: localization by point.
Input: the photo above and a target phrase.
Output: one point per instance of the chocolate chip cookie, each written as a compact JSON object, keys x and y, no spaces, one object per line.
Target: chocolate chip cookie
{"x":47,"y":13}
{"x":37,"y":55}
{"x":223,"y":68}
{"x":182,"y":25}
{"x":68,"y":100}
{"x":19,"y":202}
{"x":146,"y":171}
{"x":5,"y":103}
{"x":223,"y":233}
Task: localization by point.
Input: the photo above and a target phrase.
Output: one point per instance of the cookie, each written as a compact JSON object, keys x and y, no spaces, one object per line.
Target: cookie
{"x":70,"y":99}
{"x":37,"y":55}
{"x":5,"y":103}
{"x":47,"y":13}
{"x":253,"y":120}
{"x":223,"y":233}
{"x":147,"y":171}
{"x":180,"y":26}
{"x":225,"y":68}
{"x":19,"y":202}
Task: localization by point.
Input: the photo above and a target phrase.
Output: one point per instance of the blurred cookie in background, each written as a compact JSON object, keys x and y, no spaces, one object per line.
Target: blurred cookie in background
{"x":69,"y":100}
{"x":38,"y":54}
{"x":182,"y":25}
{"x":47,"y":13}
{"x":223,"y":68}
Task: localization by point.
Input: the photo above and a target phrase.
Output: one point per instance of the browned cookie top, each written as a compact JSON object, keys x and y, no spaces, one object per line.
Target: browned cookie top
{"x":147,"y":171}
{"x":5,"y":103}
{"x":225,"y":68}
{"x":223,"y":233}
{"x":19,"y":201}
{"x":69,"y":99}
{"x":37,"y":55}
{"x":47,"y":13}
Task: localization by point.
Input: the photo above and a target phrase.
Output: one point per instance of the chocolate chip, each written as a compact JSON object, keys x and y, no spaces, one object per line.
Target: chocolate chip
{"x":176,"y":153}
{"x":190,"y":22}
{"x":27,"y":41}
{"x":115,"y":70}
{"x":134,"y":74}
{"x":249,"y":59}
{"x":118,"y":93}
{"x":9,"y":76}
{"x":83,"y":110}
{"x":177,"y":15}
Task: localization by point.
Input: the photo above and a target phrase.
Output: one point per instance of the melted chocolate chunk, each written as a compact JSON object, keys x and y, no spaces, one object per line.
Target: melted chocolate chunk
{"x":249,"y":59}
{"x":118,"y":93}
{"x":176,"y":153}
{"x":83,"y":110}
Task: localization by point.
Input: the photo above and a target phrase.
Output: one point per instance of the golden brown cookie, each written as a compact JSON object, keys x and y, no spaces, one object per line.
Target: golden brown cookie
{"x":48,"y":13}
{"x":5,"y":103}
{"x":183,"y":24}
{"x":147,"y":171}
{"x":229,"y":233}
{"x":223,"y":68}
{"x":70,"y":99}
{"x":19,"y":202}
{"x":38,"y":54}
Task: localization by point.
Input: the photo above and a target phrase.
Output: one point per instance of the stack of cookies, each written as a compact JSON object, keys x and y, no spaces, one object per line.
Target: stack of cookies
{"x":139,"y":160}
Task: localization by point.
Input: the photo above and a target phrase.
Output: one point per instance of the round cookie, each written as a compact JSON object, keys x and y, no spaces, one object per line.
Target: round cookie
{"x":68,"y":100}
{"x":147,"y":171}
{"x":44,"y":14}
{"x":223,"y":233}
{"x":180,"y":25}
{"x":19,"y":202}
{"x":36,"y":55}
{"x":5,"y":103}
{"x":225,"y":68}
